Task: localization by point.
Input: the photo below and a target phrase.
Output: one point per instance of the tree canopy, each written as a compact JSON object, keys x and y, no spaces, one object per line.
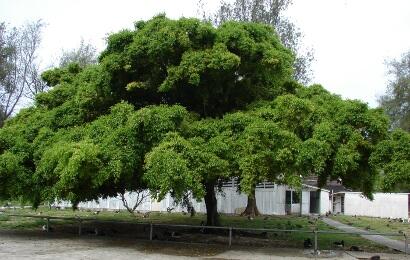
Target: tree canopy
{"x":177,"y":106}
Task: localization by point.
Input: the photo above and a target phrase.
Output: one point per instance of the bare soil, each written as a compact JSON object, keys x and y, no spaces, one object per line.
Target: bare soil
{"x":35,"y":244}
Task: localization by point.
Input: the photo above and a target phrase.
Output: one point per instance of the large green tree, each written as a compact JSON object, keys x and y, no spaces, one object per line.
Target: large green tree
{"x":177,"y":106}
{"x":81,"y":141}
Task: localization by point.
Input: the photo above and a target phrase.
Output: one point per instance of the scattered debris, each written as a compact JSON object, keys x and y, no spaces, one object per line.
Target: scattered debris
{"x":202,"y":230}
{"x":307,"y":243}
{"x":98,"y":232}
{"x":191,"y":210}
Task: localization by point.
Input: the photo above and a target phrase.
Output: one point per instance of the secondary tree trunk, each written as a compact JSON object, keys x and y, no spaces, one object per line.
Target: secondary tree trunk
{"x":251,"y":209}
{"x":212,"y":216}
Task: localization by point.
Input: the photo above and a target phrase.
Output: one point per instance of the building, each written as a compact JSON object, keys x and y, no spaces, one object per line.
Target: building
{"x":271,"y":199}
{"x":384,"y":205}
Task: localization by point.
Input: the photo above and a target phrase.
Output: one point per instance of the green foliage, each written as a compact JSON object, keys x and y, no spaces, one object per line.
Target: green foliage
{"x":207,"y":70}
{"x":57,"y":76}
{"x":106,"y":156}
{"x":179,"y":166}
{"x":392,"y":157}
{"x":268,"y":153}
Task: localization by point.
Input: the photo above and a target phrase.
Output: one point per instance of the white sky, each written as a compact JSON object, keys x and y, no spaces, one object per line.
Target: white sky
{"x":351,"y":38}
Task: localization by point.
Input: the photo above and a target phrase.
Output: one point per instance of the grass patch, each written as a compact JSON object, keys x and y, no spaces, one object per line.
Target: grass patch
{"x":278,"y":238}
{"x":372,"y":224}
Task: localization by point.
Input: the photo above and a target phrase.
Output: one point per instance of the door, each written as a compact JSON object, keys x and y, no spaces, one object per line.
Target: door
{"x":408,"y":208}
{"x":314,"y":202}
{"x":288,"y":204}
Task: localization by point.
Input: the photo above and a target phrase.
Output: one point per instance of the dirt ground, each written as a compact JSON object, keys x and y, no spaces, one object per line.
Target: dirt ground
{"x":40,"y":245}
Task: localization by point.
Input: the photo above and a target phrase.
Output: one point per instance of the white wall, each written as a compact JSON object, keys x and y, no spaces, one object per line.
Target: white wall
{"x":337,"y":204}
{"x":228,"y":201}
{"x":394,"y":205}
{"x":325,"y":204}
{"x":270,"y":201}
{"x":305,"y":202}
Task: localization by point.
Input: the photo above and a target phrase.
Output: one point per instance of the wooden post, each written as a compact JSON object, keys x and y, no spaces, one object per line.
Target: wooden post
{"x":79,"y":227}
{"x":230,"y":236}
{"x":315,"y":232}
{"x":48,"y":225}
{"x":300,"y":201}
{"x":291,"y":201}
{"x":150,"y":231}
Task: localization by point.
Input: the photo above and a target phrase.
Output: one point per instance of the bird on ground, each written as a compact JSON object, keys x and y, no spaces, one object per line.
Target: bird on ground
{"x":44,"y":228}
{"x":355,"y":248}
{"x":339,"y":244}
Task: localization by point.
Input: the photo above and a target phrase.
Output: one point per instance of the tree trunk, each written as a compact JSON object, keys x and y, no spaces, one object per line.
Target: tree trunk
{"x":251,"y":209}
{"x":212,"y":216}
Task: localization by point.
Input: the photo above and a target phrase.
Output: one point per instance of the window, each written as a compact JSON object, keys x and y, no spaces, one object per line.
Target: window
{"x":292,"y":195}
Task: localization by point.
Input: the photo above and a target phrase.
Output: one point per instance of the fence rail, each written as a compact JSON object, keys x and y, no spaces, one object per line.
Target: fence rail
{"x":229,"y":229}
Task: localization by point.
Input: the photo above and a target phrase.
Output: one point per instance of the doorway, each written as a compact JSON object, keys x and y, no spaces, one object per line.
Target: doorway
{"x":314,"y":202}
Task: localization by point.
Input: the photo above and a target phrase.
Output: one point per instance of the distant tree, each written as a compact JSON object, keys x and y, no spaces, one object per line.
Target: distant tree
{"x":268,"y":12}
{"x":396,"y":101}
{"x":19,"y":69}
{"x":84,"y":55}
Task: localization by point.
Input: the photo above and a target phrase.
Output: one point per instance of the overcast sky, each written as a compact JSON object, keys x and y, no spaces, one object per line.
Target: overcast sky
{"x":351,"y":38}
